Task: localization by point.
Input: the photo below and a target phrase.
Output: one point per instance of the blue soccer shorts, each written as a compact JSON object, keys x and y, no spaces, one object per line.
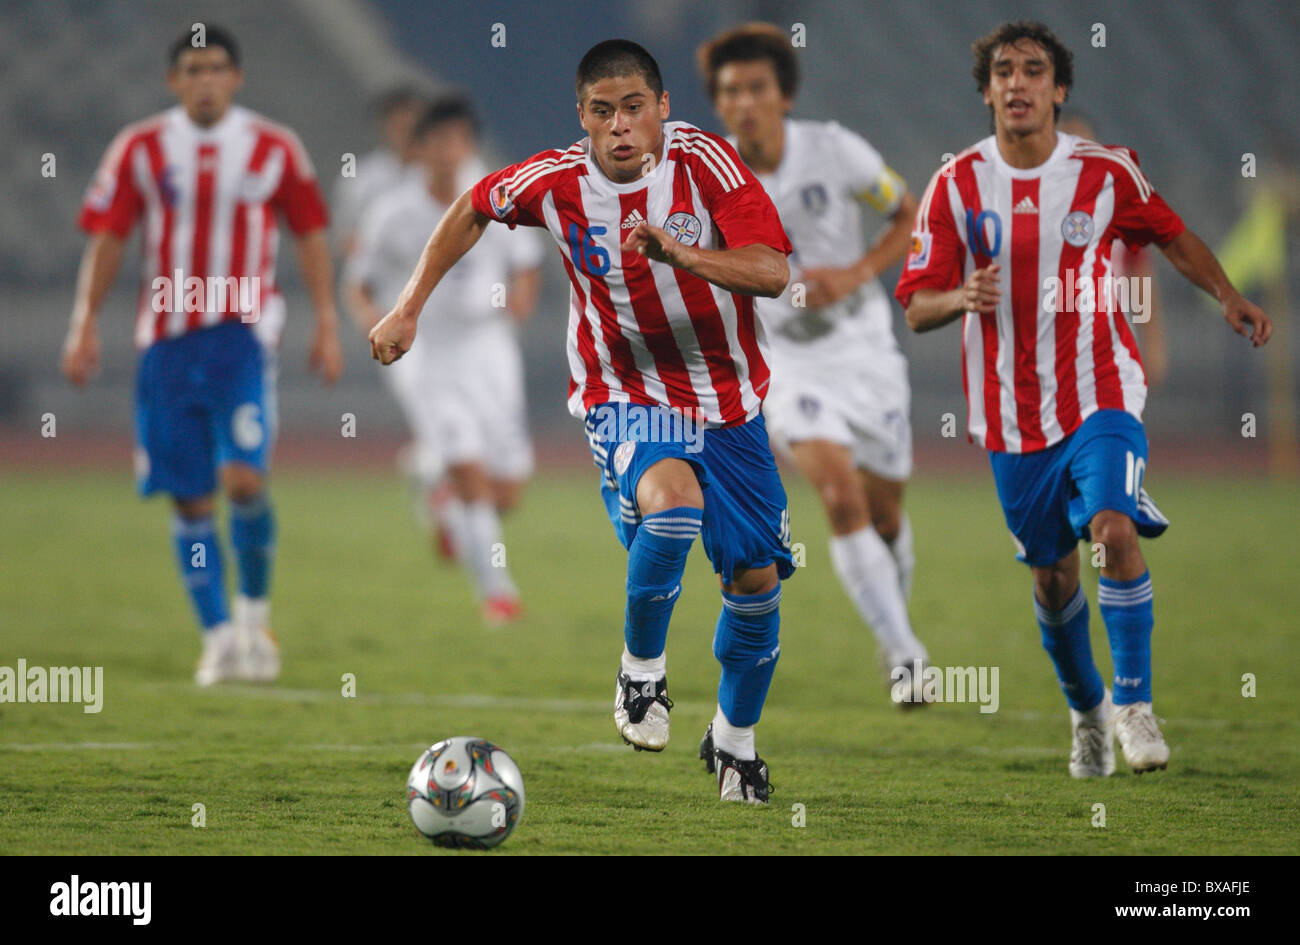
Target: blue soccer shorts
{"x":201,"y":402}
{"x":746,"y":523}
{"x":1049,"y":496}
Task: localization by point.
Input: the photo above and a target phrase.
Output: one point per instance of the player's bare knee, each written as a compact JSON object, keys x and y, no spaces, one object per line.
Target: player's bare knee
{"x":886,"y":521}
{"x":191,"y":509}
{"x":845,"y":505}
{"x":1055,"y":584}
{"x":240,"y":482}
{"x":750,"y":581}
{"x":1116,"y":532}
{"x":669,"y":484}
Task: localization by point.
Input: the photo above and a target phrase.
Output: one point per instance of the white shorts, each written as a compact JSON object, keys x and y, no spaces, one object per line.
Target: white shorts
{"x":865,"y":408}
{"x":464,"y":402}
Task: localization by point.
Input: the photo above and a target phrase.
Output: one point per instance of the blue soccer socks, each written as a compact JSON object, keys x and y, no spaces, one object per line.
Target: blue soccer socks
{"x":655,"y":563}
{"x":1065,"y":637}
{"x":199,"y":557}
{"x":1126,"y":607}
{"x":747,"y":645}
{"x":252,"y":535}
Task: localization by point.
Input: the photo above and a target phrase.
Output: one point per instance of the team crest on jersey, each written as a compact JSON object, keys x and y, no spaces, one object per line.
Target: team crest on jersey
{"x":623,"y":456}
{"x":810,"y":406}
{"x":501,"y":202}
{"x":1077,"y":228}
{"x":814,"y":199}
{"x":167,"y":187}
{"x":100,"y":195}
{"x":684,"y":227}
{"x":919,"y":255}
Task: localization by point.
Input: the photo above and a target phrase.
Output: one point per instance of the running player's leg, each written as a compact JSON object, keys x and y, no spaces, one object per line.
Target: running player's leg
{"x":670,"y":503}
{"x":1114,"y":509}
{"x":746,"y":643}
{"x":1034,"y":489}
{"x":242,"y":419}
{"x":476,"y":534}
{"x":252,"y":536}
{"x":861,"y":558}
{"x":747,"y":537}
{"x":890,"y":520}
{"x":175,"y":455}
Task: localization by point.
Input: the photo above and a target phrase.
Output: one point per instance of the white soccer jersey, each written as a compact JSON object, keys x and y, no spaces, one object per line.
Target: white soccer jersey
{"x":827,"y":173}
{"x":376,"y":172}
{"x":392,"y":235}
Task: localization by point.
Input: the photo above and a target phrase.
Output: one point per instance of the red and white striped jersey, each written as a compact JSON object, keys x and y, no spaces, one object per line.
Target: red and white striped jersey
{"x":1059,"y":347}
{"x":209,"y":199}
{"x":639,"y":330}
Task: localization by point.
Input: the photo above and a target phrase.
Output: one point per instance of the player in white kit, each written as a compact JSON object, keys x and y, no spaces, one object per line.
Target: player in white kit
{"x":839,"y":400}
{"x":461,"y":386}
{"x":382,"y":169}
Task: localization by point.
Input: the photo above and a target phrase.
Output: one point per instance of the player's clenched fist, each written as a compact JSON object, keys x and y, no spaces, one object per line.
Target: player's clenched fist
{"x":982,"y":290}
{"x":657,"y":244}
{"x":392,"y":337}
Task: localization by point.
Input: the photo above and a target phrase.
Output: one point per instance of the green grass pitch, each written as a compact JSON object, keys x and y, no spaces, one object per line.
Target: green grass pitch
{"x":88,"y":579}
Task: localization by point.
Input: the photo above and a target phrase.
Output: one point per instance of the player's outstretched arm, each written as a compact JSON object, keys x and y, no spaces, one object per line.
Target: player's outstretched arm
{"x":929,"y":308}
{"x":1193,"y":259}
{"x":99,"y":265}
{"x":318,"y":275}
{"x":749,"y":270}
{"x":455,"y":235}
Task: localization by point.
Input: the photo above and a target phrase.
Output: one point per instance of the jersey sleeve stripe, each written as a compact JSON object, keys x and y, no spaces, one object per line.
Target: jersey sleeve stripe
{"x":716,"y":160}
{"x":720,"y":153}
{"x":524,"y":178}
{"x":1144,"y":187}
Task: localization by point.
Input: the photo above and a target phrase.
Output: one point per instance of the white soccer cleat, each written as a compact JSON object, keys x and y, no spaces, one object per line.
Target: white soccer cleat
{"x":641,"y":711}
{"x":1139,"y":736}
{"x":259,"y":651}
{"x":221,"y":660}
{"x":1093,"y":753}
{"x":743,"y":781}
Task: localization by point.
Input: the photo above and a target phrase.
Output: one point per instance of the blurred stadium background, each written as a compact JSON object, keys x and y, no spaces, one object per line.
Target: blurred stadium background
{"x":1192,"y":86}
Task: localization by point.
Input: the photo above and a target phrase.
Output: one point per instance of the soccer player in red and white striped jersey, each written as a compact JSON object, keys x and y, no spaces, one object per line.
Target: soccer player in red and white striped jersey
{"x":1014,"y":236}
{"x":208,"y":181}
{"x":666,"y":238}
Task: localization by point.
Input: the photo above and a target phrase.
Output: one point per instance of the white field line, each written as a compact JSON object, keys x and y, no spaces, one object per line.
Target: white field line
{"x":76,"y":746}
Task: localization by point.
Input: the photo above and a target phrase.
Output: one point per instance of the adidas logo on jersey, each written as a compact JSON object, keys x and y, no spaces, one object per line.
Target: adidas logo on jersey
{"x":1026,"y":205}
{"x":632,"y":219}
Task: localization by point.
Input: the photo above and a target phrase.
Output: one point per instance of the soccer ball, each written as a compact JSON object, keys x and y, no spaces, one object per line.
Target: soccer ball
{"x":465,"y":792}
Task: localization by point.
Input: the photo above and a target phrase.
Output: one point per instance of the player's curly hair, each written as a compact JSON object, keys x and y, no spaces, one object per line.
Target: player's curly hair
{"x":1013,"y":32}
{"x":752,"y":42}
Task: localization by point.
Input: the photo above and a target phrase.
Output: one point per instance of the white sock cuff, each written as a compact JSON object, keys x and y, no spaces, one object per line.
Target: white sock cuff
{"x":643,"y":669}
{"x":736,"y":741}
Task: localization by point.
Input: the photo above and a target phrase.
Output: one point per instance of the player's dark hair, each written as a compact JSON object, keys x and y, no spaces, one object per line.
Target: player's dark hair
{"x":1013,"y":32}
{"x":618,"y":58}
{"x":212,"y":36}
{"x":396,"y":98}
{"x":753,"y":42}
{"x":444,"y":109}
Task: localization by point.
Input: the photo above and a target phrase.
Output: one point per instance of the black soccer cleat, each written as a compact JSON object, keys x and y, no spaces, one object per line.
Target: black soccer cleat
{"x":741,"y":780}
{"x":706,"y":750}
